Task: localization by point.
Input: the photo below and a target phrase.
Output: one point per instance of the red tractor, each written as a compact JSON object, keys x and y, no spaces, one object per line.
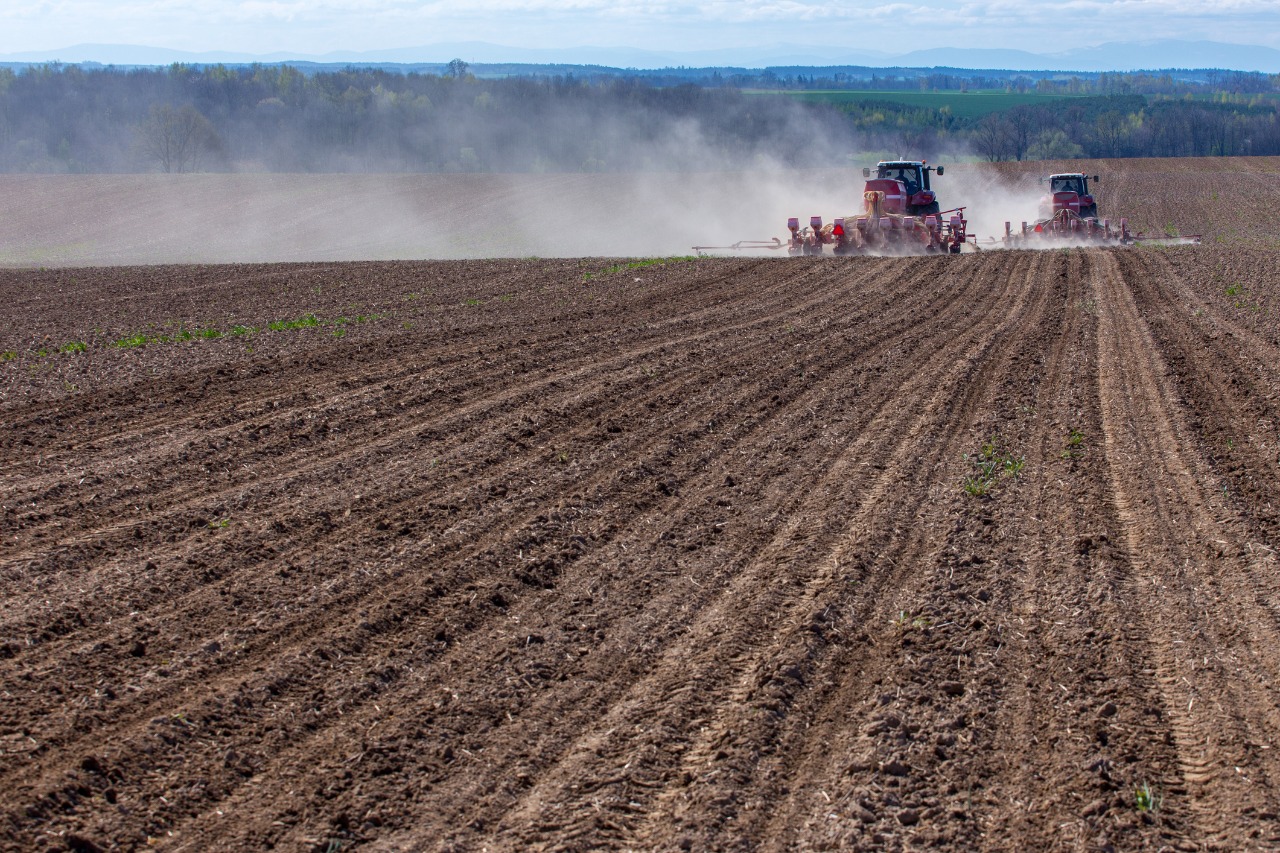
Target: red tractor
{"x":1069,"y":192}
{"x":918,"y":198}
{"x":900,"y":217}
{"x":1069,"y":212}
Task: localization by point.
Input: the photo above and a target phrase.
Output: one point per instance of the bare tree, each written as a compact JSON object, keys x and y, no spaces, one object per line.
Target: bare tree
{"x":992,"y":138}
{"x":177,"y":140}
{"x":1110,"y":132}
{"x":1023,"y":122}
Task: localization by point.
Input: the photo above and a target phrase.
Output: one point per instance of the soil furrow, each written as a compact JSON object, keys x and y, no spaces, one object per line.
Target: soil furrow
{"x":831,"y":777}
{"x":1182,"y":544}
{"x":480,"y":788}
{"x":761,"y":684}
{"x":965,"y":552}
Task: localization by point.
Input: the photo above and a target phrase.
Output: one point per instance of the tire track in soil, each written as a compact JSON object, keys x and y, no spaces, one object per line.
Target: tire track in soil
{"x":796,"y":772}
{"x":1030,"y":716}
{"x":1190,"y":568}
{"x":1111,"y":731}
{"x":1077,"y":697}
{"x":1041,"y":719}
{"x":1230,"y":377}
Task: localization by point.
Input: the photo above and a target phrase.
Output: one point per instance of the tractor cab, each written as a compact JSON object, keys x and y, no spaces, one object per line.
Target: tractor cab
{"x":907,"y":180}
{"x":1069,"y":192}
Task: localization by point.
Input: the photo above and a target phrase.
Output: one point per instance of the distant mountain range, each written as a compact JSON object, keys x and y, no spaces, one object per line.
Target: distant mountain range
{"x":1113,"y":56}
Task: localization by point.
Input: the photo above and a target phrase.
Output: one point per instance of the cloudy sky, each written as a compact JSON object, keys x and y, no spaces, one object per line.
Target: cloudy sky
{"x":316,"y":27}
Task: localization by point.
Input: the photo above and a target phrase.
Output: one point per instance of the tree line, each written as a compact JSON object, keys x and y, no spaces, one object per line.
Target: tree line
{"x":1128,"y":126}
{"x":275,"y":118}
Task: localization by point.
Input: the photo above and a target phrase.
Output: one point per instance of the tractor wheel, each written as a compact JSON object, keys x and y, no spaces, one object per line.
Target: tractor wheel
{"x":1090,"y":212}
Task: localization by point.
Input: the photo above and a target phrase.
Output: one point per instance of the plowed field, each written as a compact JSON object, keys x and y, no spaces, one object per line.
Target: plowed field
{"x":972,"y":553}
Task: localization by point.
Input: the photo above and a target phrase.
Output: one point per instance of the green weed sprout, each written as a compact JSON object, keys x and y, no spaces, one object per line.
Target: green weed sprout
{"x":988,"y":466}
{"x":1147,"y":798}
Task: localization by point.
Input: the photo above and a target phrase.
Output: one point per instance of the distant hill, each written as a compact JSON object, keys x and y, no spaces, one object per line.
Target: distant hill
{"x":1112,"y":56}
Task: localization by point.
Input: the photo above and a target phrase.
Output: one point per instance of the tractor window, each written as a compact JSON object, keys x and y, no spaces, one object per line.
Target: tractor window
{"x":906,"y":174}
{"x":1067,"y":184}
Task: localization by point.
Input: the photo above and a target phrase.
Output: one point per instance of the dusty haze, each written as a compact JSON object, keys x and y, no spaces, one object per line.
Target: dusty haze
{"x":116,"y":219}
{"x":76,"y":220}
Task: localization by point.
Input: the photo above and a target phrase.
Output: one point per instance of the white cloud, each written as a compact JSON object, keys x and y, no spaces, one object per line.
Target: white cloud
{"x":895,"y":27}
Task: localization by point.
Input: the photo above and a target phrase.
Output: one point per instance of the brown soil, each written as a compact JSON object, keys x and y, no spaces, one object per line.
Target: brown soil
{"x":565,"y":555}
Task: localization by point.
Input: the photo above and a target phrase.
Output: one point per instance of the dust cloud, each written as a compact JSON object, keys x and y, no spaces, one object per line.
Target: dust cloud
{"x":148,"y":219}
{"x":65,"y":220}
{"x":92,"y":220}
{"x":660,"y":194}
{"x":990,"y":200}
